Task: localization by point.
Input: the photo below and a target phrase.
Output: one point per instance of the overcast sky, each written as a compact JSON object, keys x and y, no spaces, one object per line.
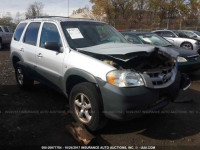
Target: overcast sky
{"x":51,"y":7}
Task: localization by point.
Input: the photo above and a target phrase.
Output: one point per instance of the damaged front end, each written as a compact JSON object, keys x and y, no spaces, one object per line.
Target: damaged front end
{"x":154,"y":67}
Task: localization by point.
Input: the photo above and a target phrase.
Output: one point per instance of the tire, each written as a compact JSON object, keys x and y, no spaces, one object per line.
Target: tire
{"x":187,"y":45}
{"x":86,"y":107}
{"x":23,"y":81}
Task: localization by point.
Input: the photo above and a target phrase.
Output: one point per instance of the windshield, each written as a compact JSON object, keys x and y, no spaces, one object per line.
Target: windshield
{"x":197,"y":32}
{"x":154,"y":39}
{"x":181,"y":34}
{"x":80,"y":34}
{"x":190,"y":34}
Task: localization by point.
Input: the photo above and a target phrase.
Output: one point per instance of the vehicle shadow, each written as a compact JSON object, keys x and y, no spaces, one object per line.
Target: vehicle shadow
{"x":177,"y":121}
{"x":48,"y":127}
{"x":35,"y":117}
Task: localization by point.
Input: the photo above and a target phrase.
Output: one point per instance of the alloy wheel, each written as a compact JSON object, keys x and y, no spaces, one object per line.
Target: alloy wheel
{"x":187,"y":45}
{"x":82,"y":107}
{"x":20,"y":76}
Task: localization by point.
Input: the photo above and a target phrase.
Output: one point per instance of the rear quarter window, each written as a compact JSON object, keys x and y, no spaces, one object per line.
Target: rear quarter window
{"x":31,"y":34}
{"x":19,"y":31}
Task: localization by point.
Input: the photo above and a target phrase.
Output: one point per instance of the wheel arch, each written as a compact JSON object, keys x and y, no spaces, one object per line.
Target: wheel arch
{"x":186,"y":42}
{"x":16,"y":57}
{"x":75,"y":76}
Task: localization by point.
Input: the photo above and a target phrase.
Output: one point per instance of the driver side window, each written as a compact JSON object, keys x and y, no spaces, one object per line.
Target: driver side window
{"x":49,"y":34}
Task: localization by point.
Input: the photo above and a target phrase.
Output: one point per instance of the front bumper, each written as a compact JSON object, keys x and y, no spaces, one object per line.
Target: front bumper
{"x":122,"y":103}
{"x":189,"y":66}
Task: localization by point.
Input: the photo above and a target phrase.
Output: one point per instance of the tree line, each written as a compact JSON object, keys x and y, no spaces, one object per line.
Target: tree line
{"x":148,"y":13}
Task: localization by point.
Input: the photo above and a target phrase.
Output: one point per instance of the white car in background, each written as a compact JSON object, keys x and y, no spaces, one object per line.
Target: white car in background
{"x":176,"y":39}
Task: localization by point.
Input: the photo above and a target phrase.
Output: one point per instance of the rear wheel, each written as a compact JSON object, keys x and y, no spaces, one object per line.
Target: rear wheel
{"x":187,"y":45}
{"x":86,"y":107}
{"x":23,"y":80}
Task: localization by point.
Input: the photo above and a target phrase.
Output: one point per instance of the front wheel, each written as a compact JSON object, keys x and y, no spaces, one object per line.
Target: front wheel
{"x":86,"y":107}
{"x":24,"y":82}
{"x":187,"y":45}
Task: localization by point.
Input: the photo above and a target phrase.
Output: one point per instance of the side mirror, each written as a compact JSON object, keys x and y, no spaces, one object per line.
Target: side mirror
{"x":52,"y":46}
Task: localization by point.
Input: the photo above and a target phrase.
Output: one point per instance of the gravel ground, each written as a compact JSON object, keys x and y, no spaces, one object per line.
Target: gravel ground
{"x":38,"y":118}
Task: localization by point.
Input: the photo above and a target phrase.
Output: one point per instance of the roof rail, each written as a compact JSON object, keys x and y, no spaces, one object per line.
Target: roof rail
{"x":46,"y":17}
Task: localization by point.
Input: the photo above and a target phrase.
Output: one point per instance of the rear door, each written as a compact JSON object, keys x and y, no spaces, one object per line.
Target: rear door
{"x":29,"y":45}
{"x":50,"y":62}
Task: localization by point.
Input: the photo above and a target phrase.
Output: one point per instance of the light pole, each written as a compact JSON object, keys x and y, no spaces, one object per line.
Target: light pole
{"x":68,"y":8}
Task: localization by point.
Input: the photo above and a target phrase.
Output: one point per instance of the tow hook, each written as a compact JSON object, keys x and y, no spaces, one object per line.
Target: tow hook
{"x":185,"y":82}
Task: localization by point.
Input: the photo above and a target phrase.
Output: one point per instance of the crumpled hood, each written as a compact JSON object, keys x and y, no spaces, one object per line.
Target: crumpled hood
{"x":125,"y":48}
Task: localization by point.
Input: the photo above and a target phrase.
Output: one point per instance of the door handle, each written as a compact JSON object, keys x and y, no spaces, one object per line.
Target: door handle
{"x":21,"y":50}
{"x":39,"y":55}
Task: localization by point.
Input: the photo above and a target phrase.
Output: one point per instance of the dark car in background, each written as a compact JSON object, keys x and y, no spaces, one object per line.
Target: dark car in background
{"x":189,"y":34}
{"x":187,"y":61}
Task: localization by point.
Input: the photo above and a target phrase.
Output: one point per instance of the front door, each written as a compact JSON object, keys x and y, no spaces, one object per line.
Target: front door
{"x":50,"y":62}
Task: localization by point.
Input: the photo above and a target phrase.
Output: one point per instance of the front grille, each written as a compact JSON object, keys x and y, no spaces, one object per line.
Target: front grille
{"x":161,"y":77}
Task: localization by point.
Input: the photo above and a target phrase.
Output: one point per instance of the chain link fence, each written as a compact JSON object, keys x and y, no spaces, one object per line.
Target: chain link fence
{"x":148,"y":25}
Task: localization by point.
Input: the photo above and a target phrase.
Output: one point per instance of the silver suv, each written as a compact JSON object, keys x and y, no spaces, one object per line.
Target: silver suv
{"x":101,"y":74}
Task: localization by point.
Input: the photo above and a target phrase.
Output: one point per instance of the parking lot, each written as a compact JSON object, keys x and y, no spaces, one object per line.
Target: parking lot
{"x":38,"y":118}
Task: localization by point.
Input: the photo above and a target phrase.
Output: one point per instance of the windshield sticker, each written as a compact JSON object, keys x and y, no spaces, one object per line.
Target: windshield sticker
{"x":74,"y":33}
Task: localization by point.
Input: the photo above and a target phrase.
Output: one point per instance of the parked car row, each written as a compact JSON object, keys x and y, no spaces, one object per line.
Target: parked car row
{"x":187,"y":60}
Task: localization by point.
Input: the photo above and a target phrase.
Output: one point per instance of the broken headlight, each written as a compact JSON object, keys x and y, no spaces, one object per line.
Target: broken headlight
{"x":124,"y":78}
{"x":181,"y":59}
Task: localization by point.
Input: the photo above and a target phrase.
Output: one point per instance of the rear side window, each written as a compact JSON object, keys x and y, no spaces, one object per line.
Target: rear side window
{"x":1,"y":30}
{"x":32,"y":33}
{"x":19,"y":31}
{"x":168,"y":34}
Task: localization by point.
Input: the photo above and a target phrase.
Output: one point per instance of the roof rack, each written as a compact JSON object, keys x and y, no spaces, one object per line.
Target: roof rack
{"x":46,"y":17}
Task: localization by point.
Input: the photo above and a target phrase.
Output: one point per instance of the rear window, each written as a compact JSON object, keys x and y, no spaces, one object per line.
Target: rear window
{"x":19,"y":31}
{"x":32,"y":33}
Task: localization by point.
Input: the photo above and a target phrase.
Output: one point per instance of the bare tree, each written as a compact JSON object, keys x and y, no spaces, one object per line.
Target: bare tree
{"x":34,"y":10}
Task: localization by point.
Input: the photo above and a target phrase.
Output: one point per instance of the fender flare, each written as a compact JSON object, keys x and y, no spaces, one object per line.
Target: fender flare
{"x":16,"y":54}
{"x":77,"y":72}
